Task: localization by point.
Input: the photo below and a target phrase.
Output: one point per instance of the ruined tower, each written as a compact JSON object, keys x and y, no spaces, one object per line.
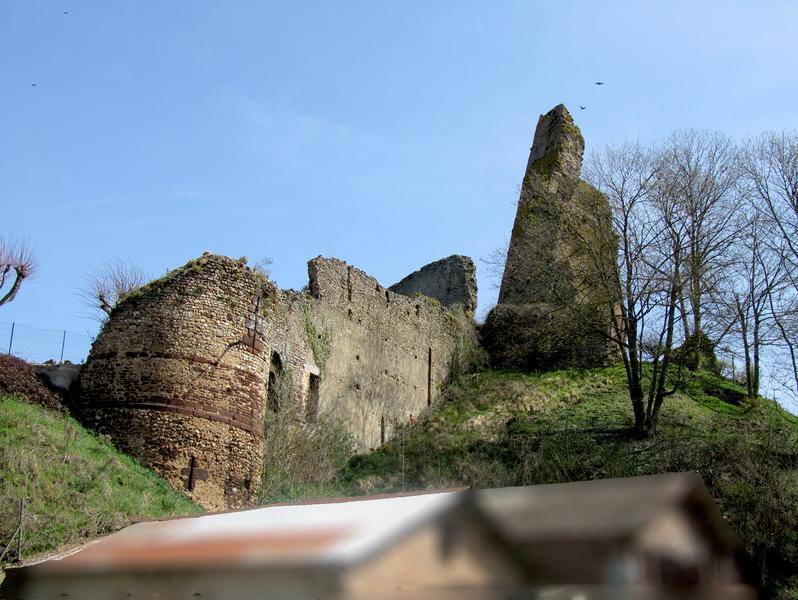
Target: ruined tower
{"x":177,"y":378}
{"x":551,"y":304}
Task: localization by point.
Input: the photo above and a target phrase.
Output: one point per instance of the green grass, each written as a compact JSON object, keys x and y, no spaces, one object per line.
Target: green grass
{"x":76,"y":485}
{"x":491,"y":429}
{"x":500,"y":428}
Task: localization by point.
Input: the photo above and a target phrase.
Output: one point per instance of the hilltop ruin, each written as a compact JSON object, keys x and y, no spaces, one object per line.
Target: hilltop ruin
{"x":187,"y":370}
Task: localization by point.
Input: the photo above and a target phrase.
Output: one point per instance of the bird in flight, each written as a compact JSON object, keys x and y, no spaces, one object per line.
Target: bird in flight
{"x":33,"y":85}
{"x":66,"y":13}
{"x":582,"y":107}
{"x":599,"y":83}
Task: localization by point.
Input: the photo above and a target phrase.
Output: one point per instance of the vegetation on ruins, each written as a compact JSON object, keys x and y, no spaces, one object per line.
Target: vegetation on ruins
{"x":302,"y":459}
{"x":319,"y":337}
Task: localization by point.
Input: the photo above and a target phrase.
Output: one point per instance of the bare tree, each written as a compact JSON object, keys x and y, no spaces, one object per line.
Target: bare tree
{"x":770,"y":171}
{"x":756,"y":278}
{"x":108,"y":285}
{"x":17,"y":263}
{"x":495,"y":262}
{"x":700,"y":172}
{"x":641,"y":279}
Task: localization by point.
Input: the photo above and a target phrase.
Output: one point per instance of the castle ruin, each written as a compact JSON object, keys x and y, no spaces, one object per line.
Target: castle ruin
{"x":187,"y":370}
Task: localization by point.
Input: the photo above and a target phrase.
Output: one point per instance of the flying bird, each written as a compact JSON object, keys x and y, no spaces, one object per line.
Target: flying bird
{"x":599,"y":83}
{"x":66,"y":13}
{"x":582,"y":107}
{"x":33,"y":85}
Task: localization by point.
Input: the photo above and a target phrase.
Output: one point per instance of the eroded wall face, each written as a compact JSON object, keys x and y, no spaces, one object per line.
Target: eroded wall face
{"x":451,"y":280}
{"x":178,"y":379}
{"x":553,"y":301}
{"x":381,"y":357}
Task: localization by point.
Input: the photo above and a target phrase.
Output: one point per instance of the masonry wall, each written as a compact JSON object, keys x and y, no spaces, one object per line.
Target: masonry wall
{"x":186,"y":370}
{"x":451,"y":280}
{"x":177,"y":378}
{"x":381,"y":357}
{"x":553,"y":301}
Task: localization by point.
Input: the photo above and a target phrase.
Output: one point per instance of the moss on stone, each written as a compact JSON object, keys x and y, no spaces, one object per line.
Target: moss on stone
{"x":196,"y":266}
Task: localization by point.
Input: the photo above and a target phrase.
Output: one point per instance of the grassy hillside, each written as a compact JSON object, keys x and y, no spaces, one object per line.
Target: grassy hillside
{"x":491,"y":429}
{"x":498,"y":429}
{"x":77,"y":486}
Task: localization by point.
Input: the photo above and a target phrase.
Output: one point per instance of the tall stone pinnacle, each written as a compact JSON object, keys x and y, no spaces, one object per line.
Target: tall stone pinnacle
{"x":552,"y":173}
{"x":552,"y":307}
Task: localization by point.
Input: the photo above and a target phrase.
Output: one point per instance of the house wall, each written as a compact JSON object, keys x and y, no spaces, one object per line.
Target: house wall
{"x":453,"y":555}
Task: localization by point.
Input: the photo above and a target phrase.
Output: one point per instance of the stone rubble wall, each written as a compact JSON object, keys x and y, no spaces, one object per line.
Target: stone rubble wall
{"x":389,"y":354}
{"x":177,"y":378}
{"x":451,"y":280}
{"x":552,"y":306}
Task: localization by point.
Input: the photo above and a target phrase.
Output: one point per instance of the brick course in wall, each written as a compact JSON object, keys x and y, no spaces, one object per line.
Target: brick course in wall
{"x":177,"y":376}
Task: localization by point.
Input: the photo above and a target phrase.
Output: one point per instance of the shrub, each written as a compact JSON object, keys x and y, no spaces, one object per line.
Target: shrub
{"x":19,"y":378}
{"x":302,"y":460}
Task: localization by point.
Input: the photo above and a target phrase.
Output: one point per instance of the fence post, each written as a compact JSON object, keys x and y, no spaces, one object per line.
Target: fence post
{"x":11,"y":341}
{"x":63,"y":341}
{"x":21,"y":528}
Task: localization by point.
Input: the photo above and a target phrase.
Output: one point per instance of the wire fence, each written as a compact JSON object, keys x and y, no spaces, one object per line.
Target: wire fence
{"x":38,"y":345}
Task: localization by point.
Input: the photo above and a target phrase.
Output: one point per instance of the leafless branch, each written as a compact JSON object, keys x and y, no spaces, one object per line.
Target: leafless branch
{"x":17,"y":263}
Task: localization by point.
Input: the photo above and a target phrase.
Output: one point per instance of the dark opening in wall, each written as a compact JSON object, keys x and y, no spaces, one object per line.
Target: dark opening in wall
{"x":382,"y":430}
{"x":312,"y":406}
{"x":275,"y":381}
{"x":194,"y":473}
{"x":429,"y":376}
{"x":387,"y":297}
{"x":349,"y":285}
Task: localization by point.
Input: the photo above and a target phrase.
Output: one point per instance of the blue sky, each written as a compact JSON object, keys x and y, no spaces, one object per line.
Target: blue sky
{"x":385,"y":134}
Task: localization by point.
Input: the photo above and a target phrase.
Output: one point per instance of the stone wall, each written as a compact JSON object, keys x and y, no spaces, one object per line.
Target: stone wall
{"x":185,"y":371}
{"x":553,"y":303}
{"x":389,"y":353}
{"x":451,"y":280}
{"x":178,"y":378}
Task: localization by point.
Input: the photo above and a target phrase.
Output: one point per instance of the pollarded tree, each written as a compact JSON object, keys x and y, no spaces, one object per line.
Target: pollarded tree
{"x":17,"y":263}
{"x":102,"y":289}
